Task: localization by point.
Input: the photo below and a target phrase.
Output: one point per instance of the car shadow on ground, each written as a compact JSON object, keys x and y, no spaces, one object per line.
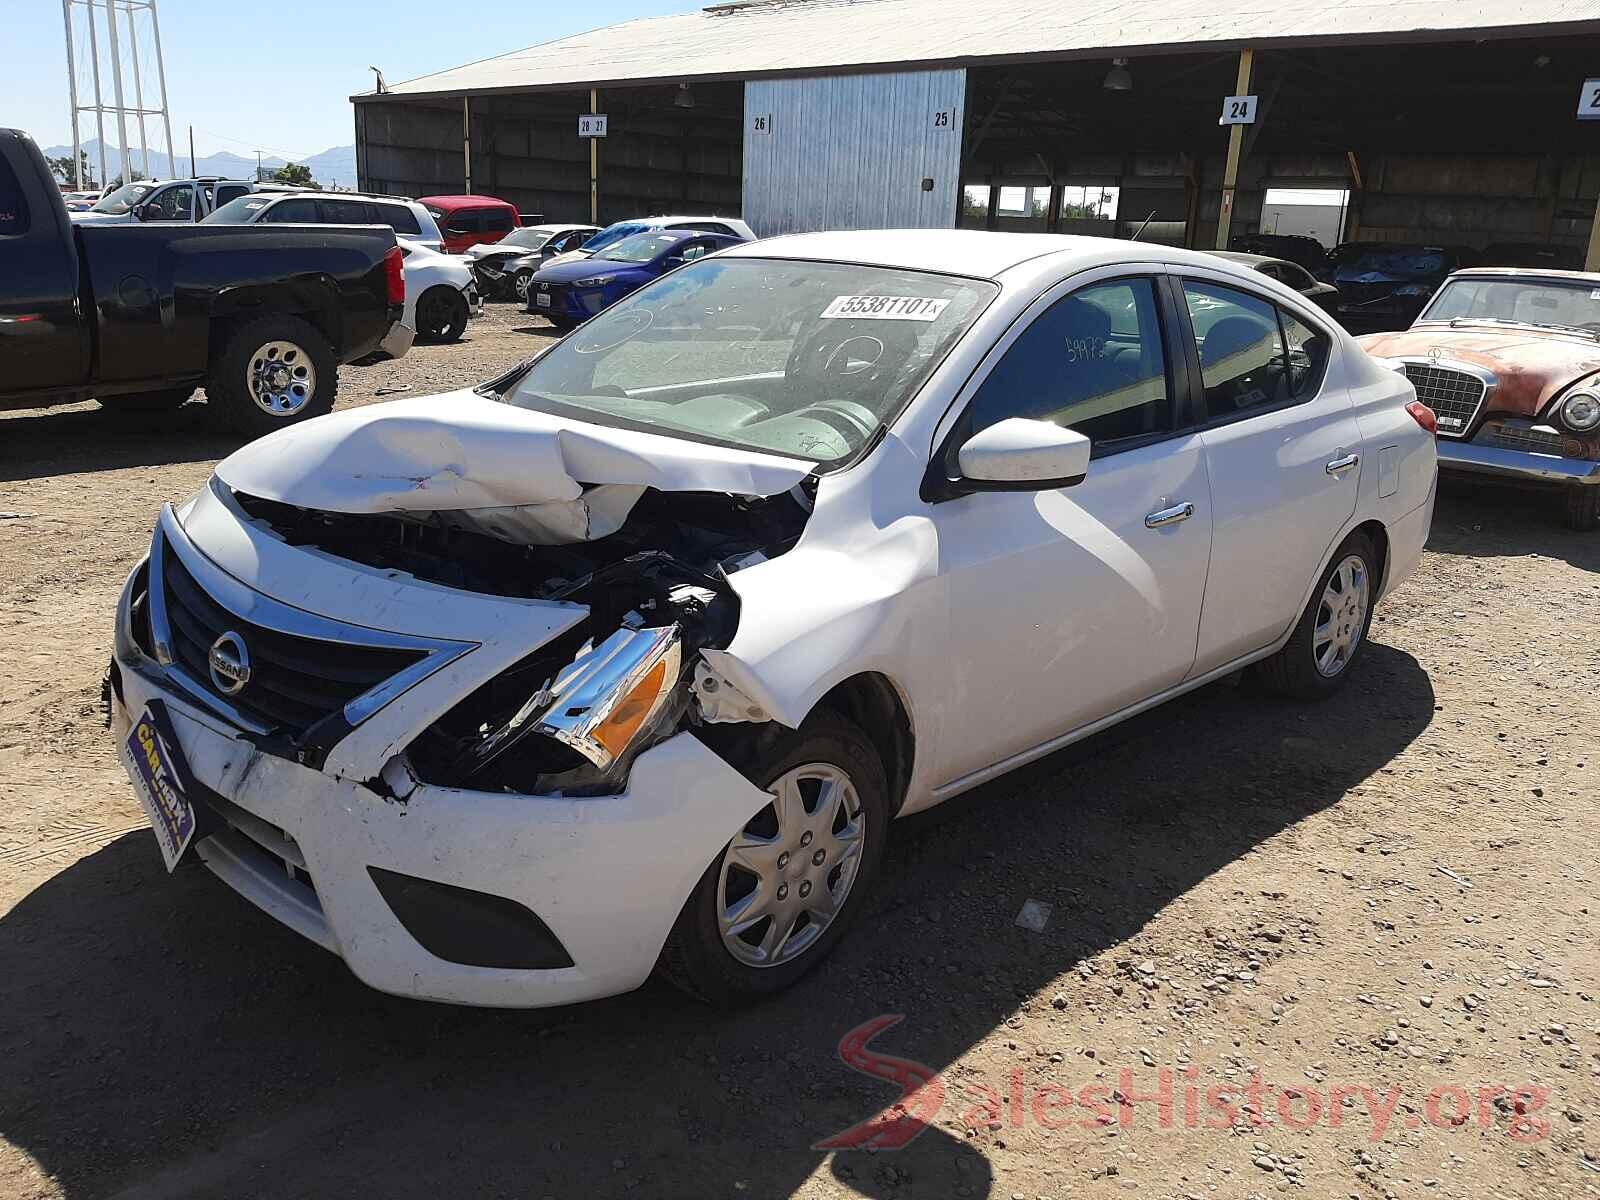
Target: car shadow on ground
{"x":86,"y":437}
{"x":161,"y":1037}
{"x":1474,"y":520}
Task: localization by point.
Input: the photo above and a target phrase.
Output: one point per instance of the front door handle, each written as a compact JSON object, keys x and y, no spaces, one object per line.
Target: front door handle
{"x":1169,"y":516}
{"x":1340,"y":465}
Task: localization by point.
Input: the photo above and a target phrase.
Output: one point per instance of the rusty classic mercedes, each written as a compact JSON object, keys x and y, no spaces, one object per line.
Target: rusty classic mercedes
{"x":1509,"y":362}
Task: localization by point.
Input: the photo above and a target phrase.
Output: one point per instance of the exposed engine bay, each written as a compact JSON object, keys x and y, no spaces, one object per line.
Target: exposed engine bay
{"x":573,"y":714}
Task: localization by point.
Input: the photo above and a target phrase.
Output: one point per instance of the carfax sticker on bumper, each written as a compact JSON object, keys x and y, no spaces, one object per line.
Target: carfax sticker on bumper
{"x":161,"y":774}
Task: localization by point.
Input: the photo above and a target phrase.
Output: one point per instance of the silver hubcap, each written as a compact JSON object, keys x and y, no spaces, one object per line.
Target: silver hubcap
{"x":522,"y":286}
{"x":1341,"y":617}
{"x":281,"y":378}
{"x":788,"y":872}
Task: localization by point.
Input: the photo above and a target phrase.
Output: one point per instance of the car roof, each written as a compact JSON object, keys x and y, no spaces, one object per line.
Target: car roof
{"x":972,"y":252}
{"x":1249,"y":260}
{"x":465,"y":201}
{"x":1589,"y":277}
{"x":555,"y":228}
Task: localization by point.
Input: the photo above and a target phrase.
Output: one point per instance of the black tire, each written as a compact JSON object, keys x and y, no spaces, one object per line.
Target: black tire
{"x":166,"y":400}
{"x":229,"y":395}
{"x":695,"y":958}
{"x":1293,"y":670}
{"x":441,"y":315}
{"x":1583,"y":508}
{"x":562,"y":324}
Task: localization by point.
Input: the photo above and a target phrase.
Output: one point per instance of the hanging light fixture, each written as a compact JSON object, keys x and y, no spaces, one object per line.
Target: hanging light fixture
{"x":1119,"y":78}
{"x":685,"y":96}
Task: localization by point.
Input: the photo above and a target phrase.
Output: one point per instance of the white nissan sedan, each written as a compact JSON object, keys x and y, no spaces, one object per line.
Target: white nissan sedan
{"x":629,"y":658}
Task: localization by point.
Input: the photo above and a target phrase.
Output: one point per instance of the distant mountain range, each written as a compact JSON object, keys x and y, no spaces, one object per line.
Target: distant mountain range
{"x":334,"y":167}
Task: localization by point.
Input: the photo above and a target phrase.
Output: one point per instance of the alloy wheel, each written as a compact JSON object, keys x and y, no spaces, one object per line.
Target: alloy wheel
{"x":1341,"y":616}
{"x":788,"y":872}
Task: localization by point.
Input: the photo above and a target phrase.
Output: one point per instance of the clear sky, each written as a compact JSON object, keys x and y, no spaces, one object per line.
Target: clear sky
{"x":276,"y":75}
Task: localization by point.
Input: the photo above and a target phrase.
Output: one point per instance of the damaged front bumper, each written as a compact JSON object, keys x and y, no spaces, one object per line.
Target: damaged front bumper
{"x":444,"y":893}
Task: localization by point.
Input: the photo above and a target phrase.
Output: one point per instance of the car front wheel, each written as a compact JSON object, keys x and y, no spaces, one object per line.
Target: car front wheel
{"x":786,"y":887}
{"x":520,"y":281}
{"x":1583,"y":508}
{"x":1332,"y":632}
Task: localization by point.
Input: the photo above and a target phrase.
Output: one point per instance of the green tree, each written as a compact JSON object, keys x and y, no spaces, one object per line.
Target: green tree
{"x":61,"y":168}
{"x":295,"y":173}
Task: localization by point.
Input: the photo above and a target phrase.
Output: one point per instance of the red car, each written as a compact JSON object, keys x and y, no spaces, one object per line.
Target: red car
{"x":468,"y":220}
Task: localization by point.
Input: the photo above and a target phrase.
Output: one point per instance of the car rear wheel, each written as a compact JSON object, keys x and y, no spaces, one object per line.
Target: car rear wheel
{"x":790,"y":881}
{"x":272,"y":372}
{"x":1583,"y":508}
{"x":1332,"y":632}
{"x":441,"y":315}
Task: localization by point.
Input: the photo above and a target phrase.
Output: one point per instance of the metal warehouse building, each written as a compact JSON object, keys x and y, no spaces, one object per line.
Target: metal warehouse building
{"x":1445,"y":121}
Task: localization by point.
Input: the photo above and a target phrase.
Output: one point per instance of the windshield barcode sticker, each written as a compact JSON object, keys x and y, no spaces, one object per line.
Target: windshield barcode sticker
{"x":885,"y":308}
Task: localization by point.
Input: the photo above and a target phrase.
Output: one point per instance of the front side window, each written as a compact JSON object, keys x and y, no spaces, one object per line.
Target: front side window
{"x":1093,"y":361}
{"x":805,"y":359}
{"x":171,"y":204}
{"x":467,"y":220}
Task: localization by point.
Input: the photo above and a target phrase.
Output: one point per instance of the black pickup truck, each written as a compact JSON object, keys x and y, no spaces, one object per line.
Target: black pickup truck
{"x":138,"y":316}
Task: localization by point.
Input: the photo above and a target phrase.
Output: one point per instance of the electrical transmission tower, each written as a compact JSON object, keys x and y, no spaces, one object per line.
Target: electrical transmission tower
{"x":122,"y":39}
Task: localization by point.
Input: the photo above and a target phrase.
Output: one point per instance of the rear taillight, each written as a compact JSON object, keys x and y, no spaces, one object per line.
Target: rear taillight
{"x":1423,"y":415}
{"x":394,"y":274}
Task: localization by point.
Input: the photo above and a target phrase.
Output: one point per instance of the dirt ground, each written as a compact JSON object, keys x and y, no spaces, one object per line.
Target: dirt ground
{"x":1361,"y":921}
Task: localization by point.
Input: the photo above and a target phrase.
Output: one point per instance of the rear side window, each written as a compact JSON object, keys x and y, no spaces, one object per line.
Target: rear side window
{"x":397,"y":217}
{"x":297,"y":211}
{"x":349,"y":212}
{"x":1253,"y":355}
{"x":497,"y":220}
{"x":1093,"y":361}
{"x":708,"y":227}
{"x":13,"y":206}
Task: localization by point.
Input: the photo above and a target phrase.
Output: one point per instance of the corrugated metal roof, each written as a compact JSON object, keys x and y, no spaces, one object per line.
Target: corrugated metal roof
{"x":740,"y":41}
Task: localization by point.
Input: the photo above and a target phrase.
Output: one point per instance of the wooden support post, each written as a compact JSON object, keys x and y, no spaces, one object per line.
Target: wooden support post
{"x":466,"y":143}
{"x":1230,"y":177}
{"x":1591,"y":261}
{"x":594,"y":163}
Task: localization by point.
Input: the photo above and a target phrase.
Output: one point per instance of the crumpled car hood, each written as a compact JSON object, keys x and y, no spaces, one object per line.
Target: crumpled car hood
{"x":517,"y":474}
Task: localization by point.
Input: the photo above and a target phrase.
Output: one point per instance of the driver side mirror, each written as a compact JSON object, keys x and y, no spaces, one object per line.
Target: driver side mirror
{"x":1022,"y":455}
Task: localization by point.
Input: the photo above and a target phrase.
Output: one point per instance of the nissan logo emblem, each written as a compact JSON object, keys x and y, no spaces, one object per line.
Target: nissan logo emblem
{"x":229,"y":661}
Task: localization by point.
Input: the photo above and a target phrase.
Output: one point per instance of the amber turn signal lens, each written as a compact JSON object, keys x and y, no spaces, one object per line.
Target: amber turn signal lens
{"x":622,"y":723}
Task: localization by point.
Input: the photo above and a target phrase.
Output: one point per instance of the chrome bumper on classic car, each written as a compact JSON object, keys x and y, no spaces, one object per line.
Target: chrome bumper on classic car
{"x":1522,"y":465}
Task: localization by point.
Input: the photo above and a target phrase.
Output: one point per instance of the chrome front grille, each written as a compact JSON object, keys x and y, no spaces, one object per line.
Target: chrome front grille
{"x":1456,"y":397}
{"x":294,"y":681}
{"x":1520,"y":437}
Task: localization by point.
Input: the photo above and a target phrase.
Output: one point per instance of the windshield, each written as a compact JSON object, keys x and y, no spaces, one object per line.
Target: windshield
{"x":612,"y":234}
{"x":642,"y":247}
{"x":525,"y":239}
{"x":124,"y":198}
{"x":239,"y":212}
{"x":804,"y":359}
{"x":1400,"y":261}
{"x":1528,"y":301}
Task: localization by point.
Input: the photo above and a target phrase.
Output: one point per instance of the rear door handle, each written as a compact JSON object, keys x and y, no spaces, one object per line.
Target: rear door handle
{"x":1339,"y":465}
{"x":1169,"y":516}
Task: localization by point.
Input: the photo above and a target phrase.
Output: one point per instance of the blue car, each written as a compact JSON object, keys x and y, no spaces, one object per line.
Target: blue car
{"x":570,"y":293}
